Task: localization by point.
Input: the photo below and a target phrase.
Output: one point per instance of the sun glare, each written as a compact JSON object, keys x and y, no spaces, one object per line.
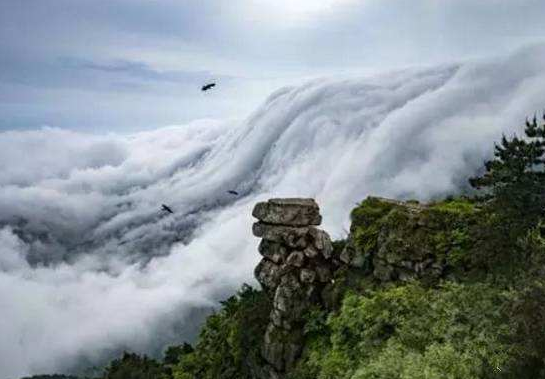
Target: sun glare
{"x":301,"y":9}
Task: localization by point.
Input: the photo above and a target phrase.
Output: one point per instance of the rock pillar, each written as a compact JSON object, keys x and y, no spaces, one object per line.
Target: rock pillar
{"x":296,"y":265}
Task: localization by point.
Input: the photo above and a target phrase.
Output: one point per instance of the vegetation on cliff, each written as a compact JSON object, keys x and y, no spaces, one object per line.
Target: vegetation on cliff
{"x":453,"y":289}
{"x":229,"y":341}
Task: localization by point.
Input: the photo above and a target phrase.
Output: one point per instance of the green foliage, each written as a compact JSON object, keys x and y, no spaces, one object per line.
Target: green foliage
{"x":229,"y":342}
{"x":133,"y":366}
{"x":461,"y":206}
{"x":516,"y":180}
{"x":338,"y":247}
{"x":532,"y":248}
{"x":315,"y":322}
{"x":366,"y":224}
{"x":370,"y":210}
{"x":173,"y":353}
{"x":454,"y":331}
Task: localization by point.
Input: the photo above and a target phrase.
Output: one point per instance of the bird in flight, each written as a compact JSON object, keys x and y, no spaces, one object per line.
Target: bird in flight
{"x":166,"y":208}
{"x":206,"y":87}
{"x":233,"y":192}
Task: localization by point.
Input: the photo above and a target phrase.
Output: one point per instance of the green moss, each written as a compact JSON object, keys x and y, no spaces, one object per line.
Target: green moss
{"x":445,"y":231}
{"x":366,"y":223}
{"x":369,"y":211}
{"x":455,"y":205}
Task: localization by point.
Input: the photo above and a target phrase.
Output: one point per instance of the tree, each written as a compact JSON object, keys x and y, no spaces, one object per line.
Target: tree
{"x":230,"y":340}
{"x":133,"y":366}
{"x":515,"y":177}
{"x":173,"y":353}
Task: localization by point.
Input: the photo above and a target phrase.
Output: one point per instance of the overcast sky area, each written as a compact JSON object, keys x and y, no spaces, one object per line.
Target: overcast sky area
{"x":127,"y":65}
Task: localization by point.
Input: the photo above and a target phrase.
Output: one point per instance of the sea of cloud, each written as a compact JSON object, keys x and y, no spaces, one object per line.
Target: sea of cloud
{"x":89,"y":264}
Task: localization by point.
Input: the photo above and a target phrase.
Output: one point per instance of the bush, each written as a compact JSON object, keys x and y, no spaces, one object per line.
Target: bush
{"x":133,"y":366}
{"x":454,"y":331}
{"x":229,"y":342}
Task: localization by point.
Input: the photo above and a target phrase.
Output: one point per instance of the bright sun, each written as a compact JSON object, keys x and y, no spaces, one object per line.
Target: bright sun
{"x":308,"y":6}
{"x":301,"y":9}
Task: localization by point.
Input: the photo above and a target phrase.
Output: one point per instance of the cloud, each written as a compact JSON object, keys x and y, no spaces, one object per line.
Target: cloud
{"x":89,"y":264}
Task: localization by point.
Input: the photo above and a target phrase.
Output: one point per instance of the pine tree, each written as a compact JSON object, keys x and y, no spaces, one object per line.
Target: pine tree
{"x":515,"y":178}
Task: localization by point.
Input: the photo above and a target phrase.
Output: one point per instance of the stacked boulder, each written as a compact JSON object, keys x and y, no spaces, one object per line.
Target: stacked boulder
{"x":296,"y":266}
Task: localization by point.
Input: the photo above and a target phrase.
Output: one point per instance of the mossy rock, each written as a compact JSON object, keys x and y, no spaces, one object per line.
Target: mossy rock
{"x":406,"y":240}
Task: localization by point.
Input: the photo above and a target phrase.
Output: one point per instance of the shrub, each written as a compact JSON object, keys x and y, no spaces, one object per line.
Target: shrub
{"x":133,"y":366}
{"x":410,"y":331}
{"x":229,"y":342}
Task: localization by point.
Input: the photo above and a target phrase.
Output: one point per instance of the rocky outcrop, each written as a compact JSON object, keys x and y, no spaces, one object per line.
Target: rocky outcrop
{"x":294,"y":212}
{"x":297,"y":263}
{"x":389,"y":241}
{"x":401,"y":241}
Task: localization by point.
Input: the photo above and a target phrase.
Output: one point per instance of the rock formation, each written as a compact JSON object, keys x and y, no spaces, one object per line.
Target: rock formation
{"x":402,"y":241}
{"x":389,"y":241}
{"x":296,"y":265}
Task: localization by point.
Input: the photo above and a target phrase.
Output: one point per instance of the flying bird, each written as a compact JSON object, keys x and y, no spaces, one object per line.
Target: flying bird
{"x":233,"y":192}
{"x":206,"y":87}
{"x":166,"y":208}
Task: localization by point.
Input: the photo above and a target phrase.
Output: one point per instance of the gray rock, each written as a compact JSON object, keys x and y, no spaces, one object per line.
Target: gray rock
{"x":311,"y":251}
{"x":351,"y":257}
{"x":357,"y":261}
{"x":324,"y":274}
{"x":291,"y":236}
{"x":296,"y":259}
{"x":347,"y":254}
{"x":383,"y":271}
{"x":297,"y":264}
{"x":287,"y":295}
{"x":273,"y":251}
{"x":291,"y":353}
{"x":268,"y":274}
{"x":322,"y":242}
{"x":290,"y":298}
{"x":266,"y":372}
{"x":276,"y":317}
{"x":307,"y":276}
{"x":280,"y":320}
{"x":281,"y":348}
{"x":273,"y":347}
{"x":293,"y":212}
{"x":312,"y":295}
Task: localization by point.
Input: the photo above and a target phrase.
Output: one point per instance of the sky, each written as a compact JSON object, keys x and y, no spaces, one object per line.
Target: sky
{"x":126,"y":65}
